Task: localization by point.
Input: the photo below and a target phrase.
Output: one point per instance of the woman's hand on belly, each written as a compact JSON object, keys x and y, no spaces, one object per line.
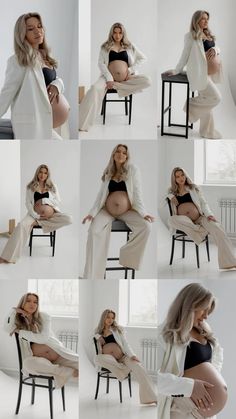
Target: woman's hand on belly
{"x":52,"y":93}
{"x":113,"y":349}
{"x":189,"y":210}
{"x":117,"y":203}
{"x":45,"y":211}
{"x":200,"y":395}
{"x":210,"y":54}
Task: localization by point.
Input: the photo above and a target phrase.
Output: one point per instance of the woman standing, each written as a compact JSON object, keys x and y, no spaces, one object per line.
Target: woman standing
{"x":119,"y":198}
{"x":42,"y":203}
{"x":118,"y":62}
{"x":42,"y":352}
{"x":192,"y":215}
{"x":189,"y":359}
{"x":116,"y":355}
{"x":31,"y":87}
{"x":201,"y":58}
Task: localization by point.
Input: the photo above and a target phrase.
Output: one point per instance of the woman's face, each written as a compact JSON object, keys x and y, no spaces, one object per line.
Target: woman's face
{"x":180,"y":178}
{"x":200,"y":315}
{"x":34,"y":32}
{"x":31,"y":304}
{"x":117,"y":35}
{"x":120,"y":155}
{"x":109,"y":320}
{"x":203,"y":22}
{"x":42,"y":174}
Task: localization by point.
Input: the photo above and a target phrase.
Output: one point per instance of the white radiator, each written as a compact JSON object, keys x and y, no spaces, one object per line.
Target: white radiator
{"x":149,"y":355}
{"x":228,"y":216}
{"x":69,"y":338}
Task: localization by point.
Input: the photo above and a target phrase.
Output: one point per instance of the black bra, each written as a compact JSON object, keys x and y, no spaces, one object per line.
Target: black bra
{"x":197,"y":353}
{"x":38,"y":196}
{"x":49,"y":75}
{"x":121,"y":56}
{"x":208,"y":44}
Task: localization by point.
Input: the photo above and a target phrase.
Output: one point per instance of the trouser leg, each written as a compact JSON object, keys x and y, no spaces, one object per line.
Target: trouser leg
{"x":131,"y":254}
{"x":196,"y":232}
{"x":226,"y":257}
{"x":118,"y":369}
{"x":97,"y":245}
{"x":91,"y":104}
{"x":58,"y":220}
{"x":184,"y":408}
{"x":16,"y":243}
{"x":134,"y":84}
{"x":146,"y":386}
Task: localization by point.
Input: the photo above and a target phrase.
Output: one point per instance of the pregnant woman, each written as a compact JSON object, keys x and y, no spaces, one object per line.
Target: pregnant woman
{"x":189,"y":359}
{"x":42,"y":203}
{"x":193,"y":216}
{"x":119,"y":198}
{"x":116,"y":355}
{"x":31,"y":86}
{"x":201,"y":58}
{"x":43,"y":353}
{"x":118,"y":62}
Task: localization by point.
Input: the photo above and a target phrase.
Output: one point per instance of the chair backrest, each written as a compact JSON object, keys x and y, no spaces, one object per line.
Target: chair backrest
{"x":19,"y":350}
{"x":96,"y":345}
{"x":169,"y":205}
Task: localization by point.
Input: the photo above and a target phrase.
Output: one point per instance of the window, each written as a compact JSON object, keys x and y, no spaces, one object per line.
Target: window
{"x":57,"y":297}
{"x":220,"y":162}
{"x":138,"y":303}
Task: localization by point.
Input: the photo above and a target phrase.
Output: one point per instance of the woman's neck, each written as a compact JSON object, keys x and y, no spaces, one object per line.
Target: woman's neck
{"x":182,"y":189}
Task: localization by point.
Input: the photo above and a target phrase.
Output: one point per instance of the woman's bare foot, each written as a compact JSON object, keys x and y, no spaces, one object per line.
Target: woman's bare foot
{"x":3,"y":260}
{"x":75,"y":373}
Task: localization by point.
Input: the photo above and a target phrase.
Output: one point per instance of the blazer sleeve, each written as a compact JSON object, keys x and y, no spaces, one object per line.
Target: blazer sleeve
{"x":188,"y":40}
{"x":53,"y":200}
{"x":102,"y":64}
{"x":139,"y":58}
{"x":95,"y":208}
{"x":59,"y":84}
{"x":126,"y":347}
{"x":138,"y":204}
{"x":13,"y":80}
{"x":9,"y":323}
{"x":29,"y":203}
{"x":204,"y":206}
{"x":41,"y":337}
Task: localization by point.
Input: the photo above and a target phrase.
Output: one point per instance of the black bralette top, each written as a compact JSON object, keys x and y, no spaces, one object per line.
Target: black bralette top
{"x":38,"y":196}
{"x":109,"y":339}
{"x":116,"y":186}
{"x":49,"y":75}
{"x":184,"y":198}
{"x":208,"y":44}
{"x":197,"y":353}
{"x":121,"y":56}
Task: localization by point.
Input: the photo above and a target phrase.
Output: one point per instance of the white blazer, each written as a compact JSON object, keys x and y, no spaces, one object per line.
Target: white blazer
{"x":170,"y":366}
{"x":46,"y":337}
{"x":133,"y":185}
{"x":120,"y":340}
{"x":53,"y":201}
{"x":198,"y":200}
{"x":194,"y":58}
{"x":25,"y":91}
{"x":135,"y":58}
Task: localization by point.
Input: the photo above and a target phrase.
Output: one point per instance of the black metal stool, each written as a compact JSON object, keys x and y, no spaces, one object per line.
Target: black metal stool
{"x":179,"y":79}
{"x":52,"y":236}
{"x":127,"y":100}
{"x":6,"y":132}
{"x":119,"y":226}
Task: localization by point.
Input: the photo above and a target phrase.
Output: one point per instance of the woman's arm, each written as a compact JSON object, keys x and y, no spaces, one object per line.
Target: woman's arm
{"x":59,"y":84}
{"x":204,"y":206}
{"x":13,"y":80}
{"x":102,"y":64}
{"x":54,"y":198}
{"x":29,"y":203}
{"x":137,"y":204}
{"x":139,"y":58}
{"x":188,"y":40}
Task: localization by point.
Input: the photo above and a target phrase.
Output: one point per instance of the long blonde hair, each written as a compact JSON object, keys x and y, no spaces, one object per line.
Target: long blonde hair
{"x":111,"y":169}
{"x":194,"y":26}
{"x":180,"y":317}
{"x":26,"y":54}
{"x":125,"y":43}
{"x":100,"y":327}
{"x":174,"y":188}
{"x":34,"y":183}
{"x":23,"y":323}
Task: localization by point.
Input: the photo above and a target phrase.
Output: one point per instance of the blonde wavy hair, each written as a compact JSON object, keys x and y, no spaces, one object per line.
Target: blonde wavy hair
{"x":111,"y":169}
{"x":174,"y":188}
{"x":26,"y":54}
{"x":23,"y":323}
{"x":125,"y":43}
{"x":180,"y":317}
{"x":100,"y":327}
{"x":34,"y":183}
{"x":194,"y":26}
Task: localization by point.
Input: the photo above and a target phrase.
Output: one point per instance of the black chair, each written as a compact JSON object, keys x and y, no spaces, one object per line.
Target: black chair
{"x":32,"y":378}
{"x":127,"y":100}
{"x":107,"y":374}
{"x":51,"y":235}
{"x":170,"y":80}
{"x":182,"y":237}
{"x":6,"y":132}
{"x":119,"y":226}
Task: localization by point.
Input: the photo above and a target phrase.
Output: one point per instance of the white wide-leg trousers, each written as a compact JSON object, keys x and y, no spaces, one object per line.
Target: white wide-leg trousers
{"x":184,"y":408}
{"x":131,"y":254}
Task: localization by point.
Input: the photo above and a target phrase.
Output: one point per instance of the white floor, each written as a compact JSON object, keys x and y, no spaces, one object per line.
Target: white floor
{"x":187,"y":268}
{"x":40,"y":410}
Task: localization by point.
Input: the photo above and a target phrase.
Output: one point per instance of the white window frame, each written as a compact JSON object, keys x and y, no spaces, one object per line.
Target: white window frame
{"x":207,"y":181}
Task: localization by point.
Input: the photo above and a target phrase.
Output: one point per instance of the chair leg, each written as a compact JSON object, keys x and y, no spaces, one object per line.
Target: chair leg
{"x":207,"y":249}
{"x":183,"y":248}
{"x":172,"y":250}
{"x":120,"y":391}
{"x":162,"y":107}
{"x":97,"y":388}
{"x":33,"y":391}
{"x":104,"y":109}
{"x":108,"y":382}
{"x":129,"y":381}
{"x":133,"y":274}
{"x":50,"y":391}
{"x":197,"y":255}
{"x":126,"y":273}
{"x":19,"y":395}
{"x":126,"y":106}
{"x":54,"y":243}
{"x":130,"y":107}
{"x":31,"y":242}
{"x":63,"y":398}
{"x":51,"y":238}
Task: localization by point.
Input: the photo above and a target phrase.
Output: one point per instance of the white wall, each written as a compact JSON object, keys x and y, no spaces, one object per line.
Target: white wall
{"x":60,"y":19}
{"x":9,"y":182}
{"x":85,"y":43}
{"x":95,"y":158}
{"x":220,"y":321}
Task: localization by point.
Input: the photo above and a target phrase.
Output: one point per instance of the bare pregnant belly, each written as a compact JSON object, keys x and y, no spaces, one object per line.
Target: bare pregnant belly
{"x":44,"y":210}
{"x":117,"y":203}
{"x":112,"y":348}
{"x":44,"y":351}
{"x":207,"y":372}
{"x":60,"y":111}
{"x":188,"y":209}
{"x":119,"y":70}
{"x":213,"y":66}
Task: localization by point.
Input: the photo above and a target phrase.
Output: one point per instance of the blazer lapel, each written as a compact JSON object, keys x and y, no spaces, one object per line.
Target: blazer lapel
{"x":41,"y":83}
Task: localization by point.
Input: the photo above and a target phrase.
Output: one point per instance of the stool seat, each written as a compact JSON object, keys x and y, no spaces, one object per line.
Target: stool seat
{"x":175,"y":78}
{"x":6,"y":132}
{"x":120,"y":226}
